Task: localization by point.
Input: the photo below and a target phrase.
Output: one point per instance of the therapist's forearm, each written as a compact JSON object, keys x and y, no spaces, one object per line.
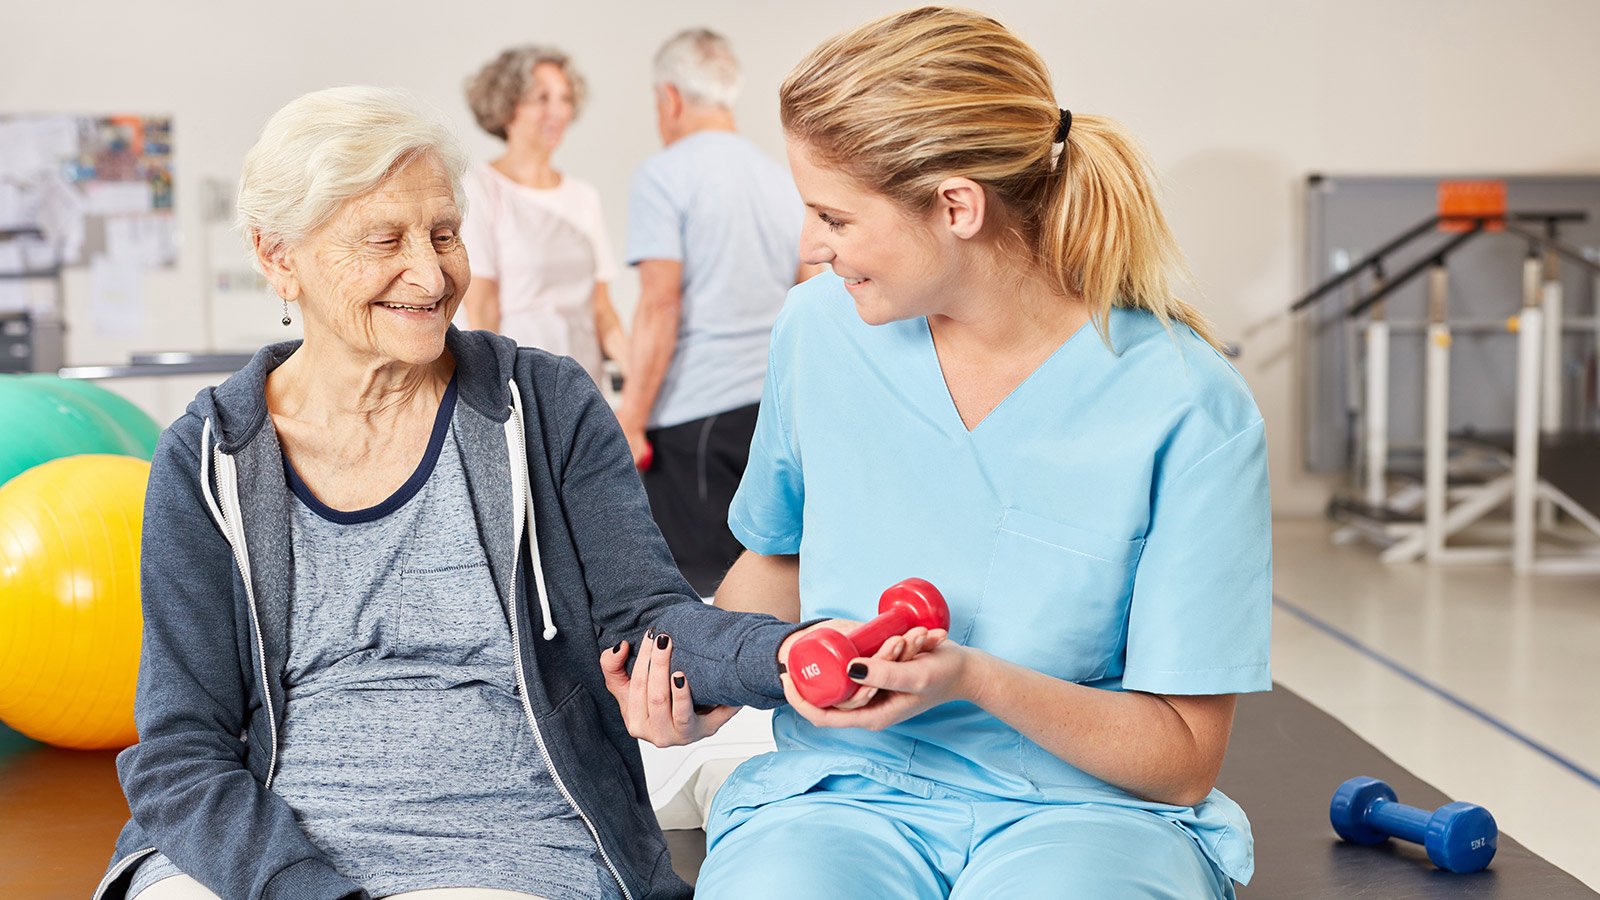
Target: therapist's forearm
{"x":1139,"y":742}
{"x":763,"y":584}
{"x":655,"y":339}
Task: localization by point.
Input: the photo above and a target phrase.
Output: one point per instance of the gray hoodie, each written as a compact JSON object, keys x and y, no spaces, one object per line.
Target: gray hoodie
{"x":575,"y":556}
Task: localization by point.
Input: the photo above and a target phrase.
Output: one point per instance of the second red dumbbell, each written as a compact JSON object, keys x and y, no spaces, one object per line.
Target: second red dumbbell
{"x":819,"y":662}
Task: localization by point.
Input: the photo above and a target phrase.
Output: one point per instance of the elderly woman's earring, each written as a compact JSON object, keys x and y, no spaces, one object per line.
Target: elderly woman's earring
{"x":286,"y":320}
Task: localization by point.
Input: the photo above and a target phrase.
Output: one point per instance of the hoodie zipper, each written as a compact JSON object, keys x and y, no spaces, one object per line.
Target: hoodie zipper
{"x":520,"y":479}
{"x":234,"y":536}
{"x":233,"y":530}
{"x":118,"y":869}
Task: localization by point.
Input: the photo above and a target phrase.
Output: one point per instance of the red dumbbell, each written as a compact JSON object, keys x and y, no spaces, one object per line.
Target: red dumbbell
{"x":819,"y":662}
{"x":647,"y":458}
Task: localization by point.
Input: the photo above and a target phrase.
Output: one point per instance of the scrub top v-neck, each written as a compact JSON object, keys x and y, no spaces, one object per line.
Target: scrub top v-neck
{"x":932,"y":355}
{"x":1107,"y":523}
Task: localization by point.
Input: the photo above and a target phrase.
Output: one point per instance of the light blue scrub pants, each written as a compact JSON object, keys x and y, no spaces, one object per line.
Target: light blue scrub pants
{"x":852,"y":837}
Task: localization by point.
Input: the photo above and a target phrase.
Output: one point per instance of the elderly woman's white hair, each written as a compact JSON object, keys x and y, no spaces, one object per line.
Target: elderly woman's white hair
{"x":701,"y":65}
{"x":329,"y":146}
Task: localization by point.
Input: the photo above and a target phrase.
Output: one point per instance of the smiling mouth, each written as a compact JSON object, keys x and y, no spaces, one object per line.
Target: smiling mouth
{"x":404,"y":308}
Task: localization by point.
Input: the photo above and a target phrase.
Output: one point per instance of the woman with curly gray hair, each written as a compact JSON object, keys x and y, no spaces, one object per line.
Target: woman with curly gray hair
{"x":541,"y":261}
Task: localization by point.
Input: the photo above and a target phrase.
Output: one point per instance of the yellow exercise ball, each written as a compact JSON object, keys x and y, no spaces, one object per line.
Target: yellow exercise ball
{"x":69,"y":600}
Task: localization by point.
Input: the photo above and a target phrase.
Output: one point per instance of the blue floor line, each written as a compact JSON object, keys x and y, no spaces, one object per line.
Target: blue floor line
{"x":1331,"y":631}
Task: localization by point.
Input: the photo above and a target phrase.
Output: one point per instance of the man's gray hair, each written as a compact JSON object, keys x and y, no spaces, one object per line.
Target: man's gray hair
{"x":330,"y":146}
{"x":701,"y":65}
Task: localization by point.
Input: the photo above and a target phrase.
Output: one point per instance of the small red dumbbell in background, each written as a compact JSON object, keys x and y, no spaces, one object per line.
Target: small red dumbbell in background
{"x":819,"y":662}
{"x":647,"y":459}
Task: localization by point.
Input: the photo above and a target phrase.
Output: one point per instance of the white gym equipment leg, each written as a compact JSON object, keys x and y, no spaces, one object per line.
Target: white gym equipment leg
{"x":1550,"y":349}
{"x":1436,"y":439}
{"x":1377,"y":412}
{"x":1550,"y":394}
{"x":1440,"y":519}
{"x":1525,"y":451}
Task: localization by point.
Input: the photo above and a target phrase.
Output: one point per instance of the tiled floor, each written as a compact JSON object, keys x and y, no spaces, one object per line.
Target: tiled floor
{"x":1521,"y":650}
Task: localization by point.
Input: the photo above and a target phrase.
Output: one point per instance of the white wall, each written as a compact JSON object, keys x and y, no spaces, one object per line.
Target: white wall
{"x":1237,"y":101}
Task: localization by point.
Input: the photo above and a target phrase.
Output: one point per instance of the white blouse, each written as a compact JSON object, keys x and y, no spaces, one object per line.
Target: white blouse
{"x":547,"y":248}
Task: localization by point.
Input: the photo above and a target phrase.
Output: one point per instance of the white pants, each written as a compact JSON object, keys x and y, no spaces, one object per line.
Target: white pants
{"x":182,"y":887}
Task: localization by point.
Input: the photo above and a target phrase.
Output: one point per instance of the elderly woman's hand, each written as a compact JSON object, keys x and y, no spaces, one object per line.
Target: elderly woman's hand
{"x":656,"y":702}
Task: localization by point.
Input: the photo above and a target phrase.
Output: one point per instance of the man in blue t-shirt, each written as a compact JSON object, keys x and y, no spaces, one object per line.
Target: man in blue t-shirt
{"x":714,"y":229}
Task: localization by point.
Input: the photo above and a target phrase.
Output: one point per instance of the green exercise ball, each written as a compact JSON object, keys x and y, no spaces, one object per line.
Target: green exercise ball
{"x":39,"y":422}
{"x":134,"y":422}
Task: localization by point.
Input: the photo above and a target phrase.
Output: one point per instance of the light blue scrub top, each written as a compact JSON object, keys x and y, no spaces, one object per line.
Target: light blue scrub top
{"x":1107,"y":523}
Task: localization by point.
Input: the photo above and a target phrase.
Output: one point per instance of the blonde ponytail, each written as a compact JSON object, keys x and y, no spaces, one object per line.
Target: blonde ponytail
{"x":1103,"y":235}
{"x":913,"y":98}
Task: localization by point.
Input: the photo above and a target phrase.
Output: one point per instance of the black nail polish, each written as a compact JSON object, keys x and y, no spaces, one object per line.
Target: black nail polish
{"x":677,"y":681}
{"x":618,"y":647}
{"x":858,"y":671}
{"x":661,"y":641}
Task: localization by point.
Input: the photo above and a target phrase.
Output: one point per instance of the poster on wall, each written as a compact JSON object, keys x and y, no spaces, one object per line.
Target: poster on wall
{"x":94,"y":191}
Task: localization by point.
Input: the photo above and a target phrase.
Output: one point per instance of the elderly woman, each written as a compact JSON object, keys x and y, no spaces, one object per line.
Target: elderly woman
{"x":379,"y":566}
{"x":541,"y":260}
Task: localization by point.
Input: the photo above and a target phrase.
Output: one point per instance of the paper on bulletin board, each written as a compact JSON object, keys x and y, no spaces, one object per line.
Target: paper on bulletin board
{"x":116,"y":296}
{"x":15,"y":210}
{"x":12,"y":260}
{"x":115,"y":198}
{"x":147,"y":240}
{"x":14,"y":296}
{"x":20,"y":154}
{"x":13,"y":292}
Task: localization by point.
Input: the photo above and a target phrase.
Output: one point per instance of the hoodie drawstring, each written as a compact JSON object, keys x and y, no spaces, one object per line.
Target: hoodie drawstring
{"x":516,"y":443}
{"x":205,"y":476}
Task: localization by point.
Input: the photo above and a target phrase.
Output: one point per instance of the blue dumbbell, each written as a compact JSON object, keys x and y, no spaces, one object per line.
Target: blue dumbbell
{"x":1460,"y":837}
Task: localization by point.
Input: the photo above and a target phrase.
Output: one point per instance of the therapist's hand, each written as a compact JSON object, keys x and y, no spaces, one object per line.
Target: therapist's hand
{"x":903,"y":686}
{"x":902,"y":647}
{"x":656,"y":702}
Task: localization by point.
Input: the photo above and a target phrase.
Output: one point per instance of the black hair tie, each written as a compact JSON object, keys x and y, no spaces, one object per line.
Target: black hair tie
{"x":1064,"y":127}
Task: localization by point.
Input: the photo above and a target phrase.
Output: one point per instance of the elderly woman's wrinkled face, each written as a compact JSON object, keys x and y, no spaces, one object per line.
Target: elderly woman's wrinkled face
{"x":545,"y":111}
{"x":386,"y":274}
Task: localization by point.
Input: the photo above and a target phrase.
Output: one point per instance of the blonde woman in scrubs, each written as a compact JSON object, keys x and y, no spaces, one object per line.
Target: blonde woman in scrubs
{"x":995,"y":390}
{"x":541,"y":260}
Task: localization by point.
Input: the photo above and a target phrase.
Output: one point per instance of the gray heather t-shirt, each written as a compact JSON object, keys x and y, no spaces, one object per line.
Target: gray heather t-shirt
{"x":714,"y":202}
{"x":406,"y":753}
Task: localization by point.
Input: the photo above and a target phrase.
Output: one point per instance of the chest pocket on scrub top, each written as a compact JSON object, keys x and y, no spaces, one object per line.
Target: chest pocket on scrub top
{"x":1056,"y":597}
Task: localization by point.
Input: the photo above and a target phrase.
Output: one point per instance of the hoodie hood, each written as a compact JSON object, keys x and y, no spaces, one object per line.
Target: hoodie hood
{"x":237,"y":407}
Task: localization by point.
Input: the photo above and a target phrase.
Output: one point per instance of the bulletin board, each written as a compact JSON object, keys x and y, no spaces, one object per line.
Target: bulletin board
{"x":86,"y":190}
